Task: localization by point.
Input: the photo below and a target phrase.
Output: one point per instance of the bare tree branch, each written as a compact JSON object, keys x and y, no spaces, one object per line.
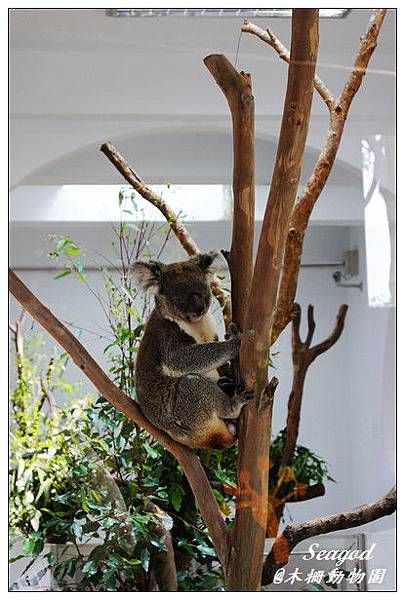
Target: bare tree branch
{"x":270,"y":38}
{"x":368,"y":43}
{"x":132,"y":178}
{"x":294,"y":534}
{"x":305,"y":204}
{"x":328,"y":342}
{"x":298,"y":495}
{"x":303,"y":356}
{"x":17,"y":331}
{"x":178,"y":228}
{"x":237,"y":88}
{"x":48,"y":394}
{"x":189,"y":461}
{"x":311,"y":492}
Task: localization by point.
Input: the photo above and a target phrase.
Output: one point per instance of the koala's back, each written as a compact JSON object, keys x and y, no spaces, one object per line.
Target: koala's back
{"x":155,"y":388}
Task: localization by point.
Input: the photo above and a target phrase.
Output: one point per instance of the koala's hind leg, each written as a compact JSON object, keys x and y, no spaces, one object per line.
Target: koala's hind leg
{"x":200,"y":408}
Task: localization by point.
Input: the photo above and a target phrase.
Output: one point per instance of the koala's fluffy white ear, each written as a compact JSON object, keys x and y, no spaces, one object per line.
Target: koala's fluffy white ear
{"x":205,"y":261}
{"x":148,"y":275}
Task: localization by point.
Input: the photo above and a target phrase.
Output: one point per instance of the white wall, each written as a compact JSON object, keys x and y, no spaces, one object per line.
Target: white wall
{"x":372,"y":412}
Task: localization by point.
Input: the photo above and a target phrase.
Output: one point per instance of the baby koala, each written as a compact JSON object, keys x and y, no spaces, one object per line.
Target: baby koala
{"x":179,"y":357}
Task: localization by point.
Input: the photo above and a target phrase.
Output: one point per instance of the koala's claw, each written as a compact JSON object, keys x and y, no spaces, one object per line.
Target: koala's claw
{"x":246,"y":396}
{"x":243,"y":395}
{"x":240,"y":388}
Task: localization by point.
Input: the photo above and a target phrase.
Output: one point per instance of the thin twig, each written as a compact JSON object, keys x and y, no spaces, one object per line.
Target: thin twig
{"x":270,"y":38}
{"x":17,"y":331}
{"x":172,"y":219}
{"x":49,"y":396}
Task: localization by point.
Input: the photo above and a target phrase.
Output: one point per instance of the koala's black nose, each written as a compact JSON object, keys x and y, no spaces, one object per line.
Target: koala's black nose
{"x":197,"y":304}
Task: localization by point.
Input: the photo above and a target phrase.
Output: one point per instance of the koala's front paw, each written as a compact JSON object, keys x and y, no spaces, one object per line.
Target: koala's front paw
{"x":234,"y":336}
{"x":244,"y":395}
{"x":239,"y":399}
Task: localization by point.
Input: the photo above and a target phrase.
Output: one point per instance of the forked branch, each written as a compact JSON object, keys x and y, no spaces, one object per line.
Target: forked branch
{"x":338,"y":111}
{"x":303,"y":355}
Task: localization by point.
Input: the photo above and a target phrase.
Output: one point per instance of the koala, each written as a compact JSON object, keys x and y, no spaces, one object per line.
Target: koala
{"x":180,"y":358}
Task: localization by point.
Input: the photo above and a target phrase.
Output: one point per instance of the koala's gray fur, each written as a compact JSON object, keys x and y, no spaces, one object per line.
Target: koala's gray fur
{"x":179,"y":357}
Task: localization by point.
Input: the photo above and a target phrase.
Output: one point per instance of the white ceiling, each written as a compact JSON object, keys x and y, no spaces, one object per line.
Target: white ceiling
{"x":90,"y":30}
{"x":78,"y":78}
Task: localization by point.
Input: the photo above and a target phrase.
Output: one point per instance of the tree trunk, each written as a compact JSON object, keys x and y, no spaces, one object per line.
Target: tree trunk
{"x":248,"y":535}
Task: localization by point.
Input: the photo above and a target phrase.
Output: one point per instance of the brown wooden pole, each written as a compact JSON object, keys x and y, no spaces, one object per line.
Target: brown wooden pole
{"x":248,"y":535}
{"x":237,"y":88}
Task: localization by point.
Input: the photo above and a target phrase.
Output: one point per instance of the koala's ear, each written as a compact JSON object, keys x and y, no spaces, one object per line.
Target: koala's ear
{"x":148,"y":274}
{"x":204,"y":261}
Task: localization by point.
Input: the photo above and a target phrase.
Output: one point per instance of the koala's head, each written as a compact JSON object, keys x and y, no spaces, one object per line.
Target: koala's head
{"x":181,"y":289}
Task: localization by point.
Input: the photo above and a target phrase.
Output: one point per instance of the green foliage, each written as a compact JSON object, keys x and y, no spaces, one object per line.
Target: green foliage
{"x":62,"y":492}
{"x":307,"y":467}
{"x":87,"y":475}
{"x":39,"y":463}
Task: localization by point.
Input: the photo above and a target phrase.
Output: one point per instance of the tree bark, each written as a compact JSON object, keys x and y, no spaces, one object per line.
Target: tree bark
{"x":248,"y":535}
{"x":163,"y":561}
{"x":237,"y":88}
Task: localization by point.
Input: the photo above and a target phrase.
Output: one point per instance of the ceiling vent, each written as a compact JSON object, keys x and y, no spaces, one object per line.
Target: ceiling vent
{"x":324,"y":13}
